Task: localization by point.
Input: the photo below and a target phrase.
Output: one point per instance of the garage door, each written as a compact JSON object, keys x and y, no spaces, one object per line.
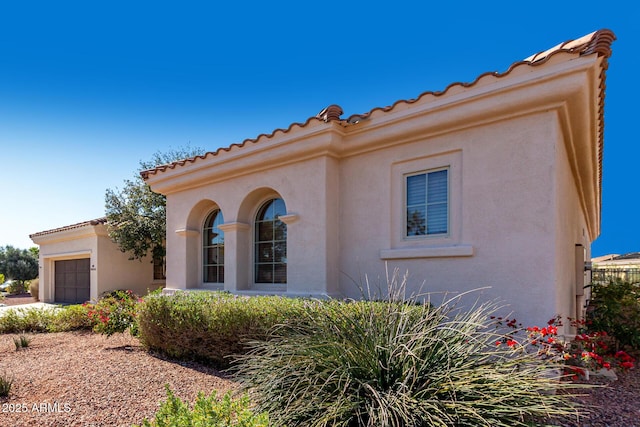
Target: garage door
{"x":72,"y":280}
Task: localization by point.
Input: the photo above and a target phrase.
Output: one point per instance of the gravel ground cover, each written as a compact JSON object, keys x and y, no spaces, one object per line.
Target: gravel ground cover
{"x":615,"y":404}
{"x":89,"y":380}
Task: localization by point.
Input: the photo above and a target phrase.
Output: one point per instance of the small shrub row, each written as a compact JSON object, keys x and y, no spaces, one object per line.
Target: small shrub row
{"x":211,"y":326}
{"x":114,"y":312}
{"x":62,"y":319}
{"x":207,"y":411}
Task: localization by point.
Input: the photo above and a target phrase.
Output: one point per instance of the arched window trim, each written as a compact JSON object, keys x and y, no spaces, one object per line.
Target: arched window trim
{"x":212,"y":265}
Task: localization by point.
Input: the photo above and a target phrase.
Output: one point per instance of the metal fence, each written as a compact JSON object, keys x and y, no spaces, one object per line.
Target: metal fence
{"x":603,"y":275}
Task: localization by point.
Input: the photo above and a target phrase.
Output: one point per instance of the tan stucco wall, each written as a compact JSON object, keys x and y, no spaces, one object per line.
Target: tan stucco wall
{"x":502,"y":216}
{"x":571,"y":230}
{"x":501,"y":208}
{"x":109,"y":268}
{"x":116,"y":271}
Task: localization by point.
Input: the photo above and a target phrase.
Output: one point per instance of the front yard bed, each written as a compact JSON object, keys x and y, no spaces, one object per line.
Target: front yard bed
{"x":115,"y":382}
{"x":87,"y":379}
{"x":374,"y":350}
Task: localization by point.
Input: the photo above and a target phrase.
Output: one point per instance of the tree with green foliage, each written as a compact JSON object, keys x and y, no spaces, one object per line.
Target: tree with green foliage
{"x":136,"y":216}
{"x":35,"y":251}
{"x":19,"y":265}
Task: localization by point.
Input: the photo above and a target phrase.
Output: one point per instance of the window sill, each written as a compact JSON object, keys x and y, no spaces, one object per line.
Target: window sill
{"x":268,"y":287}
{"x":428,"y":252}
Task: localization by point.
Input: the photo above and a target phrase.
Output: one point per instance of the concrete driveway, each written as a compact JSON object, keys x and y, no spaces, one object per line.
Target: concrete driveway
{"x":31,"y":306}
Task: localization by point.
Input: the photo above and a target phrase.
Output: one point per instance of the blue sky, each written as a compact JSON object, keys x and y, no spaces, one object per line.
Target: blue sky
{"x":88,"y":89}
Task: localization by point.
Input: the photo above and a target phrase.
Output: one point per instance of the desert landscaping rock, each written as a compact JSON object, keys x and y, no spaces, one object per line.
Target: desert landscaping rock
{"x":85,"y":379}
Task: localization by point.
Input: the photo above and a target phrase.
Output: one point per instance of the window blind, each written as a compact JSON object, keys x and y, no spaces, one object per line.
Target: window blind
{"x":427,"y":201}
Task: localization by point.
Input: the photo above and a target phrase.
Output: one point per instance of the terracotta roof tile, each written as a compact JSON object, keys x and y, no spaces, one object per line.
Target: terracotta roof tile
{"x":97,"y":221}
{"x":145,"y":174}
{"x":598,"y":43}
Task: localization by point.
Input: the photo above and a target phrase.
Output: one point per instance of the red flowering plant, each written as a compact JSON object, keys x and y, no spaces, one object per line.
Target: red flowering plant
{"x":586,"y":351}
{"x":114,"y":312}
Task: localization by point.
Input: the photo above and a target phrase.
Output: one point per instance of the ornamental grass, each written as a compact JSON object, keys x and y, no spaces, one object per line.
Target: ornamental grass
{"x":400,"y":363}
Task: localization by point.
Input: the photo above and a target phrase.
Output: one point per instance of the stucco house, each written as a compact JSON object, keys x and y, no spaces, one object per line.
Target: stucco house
{"x":79,"y":262}
{"x":493,"y":183}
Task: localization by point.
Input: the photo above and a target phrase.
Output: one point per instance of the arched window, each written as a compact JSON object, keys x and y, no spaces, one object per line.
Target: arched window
{"x":213,"y":249}
{"x":271,"y":243}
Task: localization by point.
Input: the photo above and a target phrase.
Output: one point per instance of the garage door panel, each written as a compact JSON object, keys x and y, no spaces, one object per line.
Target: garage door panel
{"x":73,"y":278}
{"x":70,"y":280}
{"x":83,"y":295}
{"x":82,"y":280}
{"x":67,"y":266}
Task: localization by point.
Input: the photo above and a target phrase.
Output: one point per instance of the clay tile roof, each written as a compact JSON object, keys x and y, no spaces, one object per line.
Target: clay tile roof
{"x":161,"y":168}
{"x":598,"y":43}
{"x":92,"y":222}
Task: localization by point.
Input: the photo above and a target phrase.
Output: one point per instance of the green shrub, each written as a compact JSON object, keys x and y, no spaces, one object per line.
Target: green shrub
{"x":17,"y":320}
{"x":18,"y":287}
{"x":71,"y":318}
{"x":114,"y":312}
{"x":207,"y":412}
{"x":399,"y":364}
{"x":34,"y":288}
{"x":615,"y":308}
{"x":211,"y":326}
{"x":5,"y":385}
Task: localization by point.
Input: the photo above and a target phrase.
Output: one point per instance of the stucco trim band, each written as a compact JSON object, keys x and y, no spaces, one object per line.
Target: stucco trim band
{"x":187,"y":232}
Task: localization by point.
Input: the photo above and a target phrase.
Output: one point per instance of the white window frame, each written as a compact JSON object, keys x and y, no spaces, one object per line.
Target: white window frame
{"x":405,"y":204}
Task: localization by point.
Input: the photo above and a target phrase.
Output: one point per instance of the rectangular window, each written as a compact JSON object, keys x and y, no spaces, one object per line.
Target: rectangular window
{"x":427,"y":203}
